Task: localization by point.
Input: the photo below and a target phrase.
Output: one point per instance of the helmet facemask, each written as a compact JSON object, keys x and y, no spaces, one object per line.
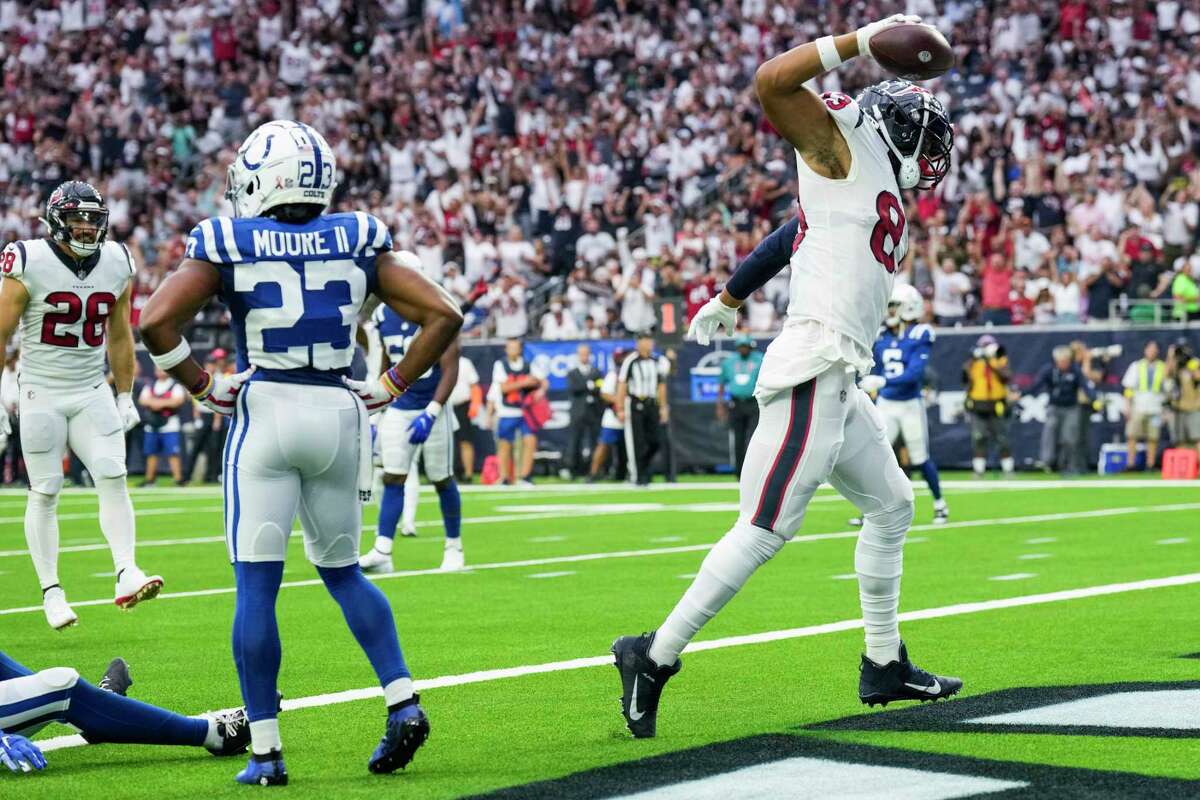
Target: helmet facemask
{"x":914,"y":126}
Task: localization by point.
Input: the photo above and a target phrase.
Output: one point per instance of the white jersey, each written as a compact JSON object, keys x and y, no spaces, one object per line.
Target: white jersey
{"x":852,"y":238}
{"x":64,"y":327}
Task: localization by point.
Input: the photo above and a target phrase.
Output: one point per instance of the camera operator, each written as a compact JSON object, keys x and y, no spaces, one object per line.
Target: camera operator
{"x":1183,"y":372}
{"x":1144,"y":397}
{"x":1094,"y":363}
{"x":986,"y":375}
{"x":1070,"y":398}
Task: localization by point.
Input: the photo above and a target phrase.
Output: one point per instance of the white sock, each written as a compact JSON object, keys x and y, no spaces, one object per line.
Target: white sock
{"x":384,"y":545}
{"x":116,"y":520}
{"x":398,"y":691}
{"x":41,"y":534}
{"x":940,"y":504}
{"x":879,"y":562}
{"x":725,"y":570}
{"x":412,"y":493}
{"x":213,"y":739}
{"x":264,"y":736}
{"x":454,"y":544}
{"x":1007,"y":464}
{"x":979,"y":465}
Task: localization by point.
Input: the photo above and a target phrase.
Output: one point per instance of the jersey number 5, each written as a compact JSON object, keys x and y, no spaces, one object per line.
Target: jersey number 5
{"x":888,"y":233}
{"x":98,"y":307}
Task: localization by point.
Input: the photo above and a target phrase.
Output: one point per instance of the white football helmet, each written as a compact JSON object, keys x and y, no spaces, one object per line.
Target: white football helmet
{"x":905,"y":304}
{"x":281,"y":162}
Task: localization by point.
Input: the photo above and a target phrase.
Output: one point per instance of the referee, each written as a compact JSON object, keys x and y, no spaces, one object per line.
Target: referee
{"x":642,"y":406}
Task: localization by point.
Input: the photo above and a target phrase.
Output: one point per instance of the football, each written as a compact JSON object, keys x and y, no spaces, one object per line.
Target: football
{"x":913,"y":51}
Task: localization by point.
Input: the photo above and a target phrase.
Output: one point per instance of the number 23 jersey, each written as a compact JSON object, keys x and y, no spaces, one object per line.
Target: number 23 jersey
{"x":64,"y":326}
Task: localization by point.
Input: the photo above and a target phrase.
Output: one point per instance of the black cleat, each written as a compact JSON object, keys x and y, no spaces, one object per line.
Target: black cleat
{"x":407,"y":729}
{"x":902,"y":680}
{"x":116,"y":678}
{"x":642,"y":682}
{"x":234,"y":729}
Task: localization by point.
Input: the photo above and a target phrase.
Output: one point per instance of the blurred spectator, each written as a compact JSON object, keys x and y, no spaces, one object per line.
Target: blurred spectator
{"x":642,"y":406}
{"x":1070,"y":398}
{"x":1185,"y":290}
{"x":558,"y":323}
{"x":513,"y":380}
{"x":1145,"y":393}
{"x":583,"y":389}
{"x":950,"y":288}
{"x":1068,"y":299}
{"x":466,"y":399}
{"x":161,"y":400}
{"x":986,"y":375}
{"x":736,"y":405}
{"x":1183,"y":370}
{"x":1103,"y":287}
{"x":506,"y":302}
{"x":612,"y":430}
{"x":210,"y":429}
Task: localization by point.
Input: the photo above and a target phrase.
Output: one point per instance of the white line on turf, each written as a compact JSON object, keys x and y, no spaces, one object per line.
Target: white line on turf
{"x":488,"y":675}
{"x":692,"y":548}
{"x":1042,"y":540}
{"x":1033,"y":556}
{"x":845,"y":576}
{"x":1015,"y":576}
{"x":561,"y":574}
{"x":1176,"y":540}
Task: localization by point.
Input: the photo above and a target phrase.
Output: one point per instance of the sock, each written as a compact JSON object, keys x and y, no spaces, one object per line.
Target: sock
{"x":384,"y":545}
{"x":451,"y":502}
{"x":397,"y":691}
{"x":879,"y":562}
{"x":724,"y":571}
{"x":391,"y":506}
{"x":979,"y":465}
{"x":106,"y":717}
{"x":1007,"y":464}
{"x":212,"y":738}
{"x":412,"y":495}
{"x":116,"y":520}
{"x":369,"y":616}
{"x":929,"y":470}
{"x":256,"y":648}
{"x":264,"y":736}
{"x":41,"y":534}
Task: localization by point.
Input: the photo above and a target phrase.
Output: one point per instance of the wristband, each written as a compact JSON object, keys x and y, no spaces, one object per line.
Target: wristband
{"x":201,"y":387}
{"x":434,"y":408}
{"x":827,"y":50}
{"x":394,"y":382}
{"x":864,"y":41}
{"x":173,"y":357}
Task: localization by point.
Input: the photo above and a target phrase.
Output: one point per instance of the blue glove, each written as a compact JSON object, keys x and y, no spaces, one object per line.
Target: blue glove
{"x":19,"y":754}
{"x":419,"y":428}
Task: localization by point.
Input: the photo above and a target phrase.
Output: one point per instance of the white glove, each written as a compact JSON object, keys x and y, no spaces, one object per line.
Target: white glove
{"x":711,"y":317}
{"x":991,"y":350}
{"x":872,"y":383}
{"x":867,"y":31}
{"x":130,"y":417}
{"x":5,"y":423}
{"x":373,"y":393}
{"x":221,"y":393}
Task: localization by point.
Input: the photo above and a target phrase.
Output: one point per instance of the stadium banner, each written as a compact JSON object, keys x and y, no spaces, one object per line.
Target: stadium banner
{"x":556,"y":359}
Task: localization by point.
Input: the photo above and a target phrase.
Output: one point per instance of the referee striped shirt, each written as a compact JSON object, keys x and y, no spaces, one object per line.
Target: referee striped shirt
{"x":642,"y":375}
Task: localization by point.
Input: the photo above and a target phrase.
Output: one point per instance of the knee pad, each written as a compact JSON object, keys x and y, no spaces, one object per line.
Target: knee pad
{"x":111,"y":486}
{"x":49,"y":485}
{"x":57,"y":679}
{"x":891,"y":521}
{"x":759,"y":544}
{"x":107,"y":468}
{"x":44,"y":501}
{"x":880,"y":549}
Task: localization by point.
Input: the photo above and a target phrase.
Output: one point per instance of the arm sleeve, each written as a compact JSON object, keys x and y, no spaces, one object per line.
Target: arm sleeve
{"x":767,"y":260}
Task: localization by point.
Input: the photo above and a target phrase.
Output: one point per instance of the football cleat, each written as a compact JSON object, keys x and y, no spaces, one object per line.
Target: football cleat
{"x":375,"y":561}
{"x":234,"y":729}
{"x":642,"y":682}
{"x":855,"y":522}
{"x":58,"y":613}
{"x":265,"y":769}
{"x":407,"y":730}
{"x":901,"y":680}
{"x":408,"y":529}
{"x":134,"y":586}
{"x":941,"y":513}
{"x":452,"y":558}
{"x":116,"y":678}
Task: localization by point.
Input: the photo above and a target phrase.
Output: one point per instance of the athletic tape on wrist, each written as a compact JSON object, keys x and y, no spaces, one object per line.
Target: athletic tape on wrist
{"x":434,"y":408}
{"x":202,"y":386}
{"x":173,"y":357}
{"x":827,"y":50}
{"x":394,"y":382}
{"x":864,"y":39}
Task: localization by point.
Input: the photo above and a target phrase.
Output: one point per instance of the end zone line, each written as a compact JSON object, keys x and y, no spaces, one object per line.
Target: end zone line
{"x":488,"y":675}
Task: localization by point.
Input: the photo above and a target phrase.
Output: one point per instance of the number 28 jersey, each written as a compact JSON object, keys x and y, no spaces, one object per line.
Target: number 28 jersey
{"x":294,"y":292}
{"x":63,"y":329}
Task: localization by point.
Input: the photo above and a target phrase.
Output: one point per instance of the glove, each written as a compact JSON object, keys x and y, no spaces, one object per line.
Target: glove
{"x":991,"y":350}
{"x":373,"y":393}
{"x":220,"y":392}
{"x":872,"y":383}
{"x":19,"y":754}
{"x":419,"y":428}
{"x":129,"y":413}
{"x":867,"y":31}
{"x":711,"y":317}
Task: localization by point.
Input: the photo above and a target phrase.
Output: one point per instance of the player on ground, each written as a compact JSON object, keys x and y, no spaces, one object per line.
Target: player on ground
{"x":29,"y":701}
{"x":416,"y":424}
{"x":901,"y":354}
{"x":815,"y":425}
{"x":70,"y":294}
{"x":294,"y":279}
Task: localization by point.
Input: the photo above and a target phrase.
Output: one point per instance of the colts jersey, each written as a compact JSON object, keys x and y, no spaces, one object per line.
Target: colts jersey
{"x":63,"y":328}
{"x":901,"y":359}
{"x":294,"y":291}
{"x":397,"y":333}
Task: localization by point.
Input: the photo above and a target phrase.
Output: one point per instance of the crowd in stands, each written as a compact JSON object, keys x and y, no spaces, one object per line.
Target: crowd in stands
{"x":567,"y":165}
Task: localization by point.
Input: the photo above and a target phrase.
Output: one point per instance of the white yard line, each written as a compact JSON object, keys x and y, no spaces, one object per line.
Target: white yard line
{"x":658,"y":551}
{"x":489,"y":675}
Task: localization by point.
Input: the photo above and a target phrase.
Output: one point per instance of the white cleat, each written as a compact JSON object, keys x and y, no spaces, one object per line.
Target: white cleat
{"x":408,"y":529}
{"x":453,"y":559}
{"x":375,"y":561}
{"x":134,"y":586}
{"x":58,"y":612}
{"x":941,"y":513}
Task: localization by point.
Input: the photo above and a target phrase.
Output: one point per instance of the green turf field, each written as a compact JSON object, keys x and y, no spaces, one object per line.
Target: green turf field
{"x":1077,"y":586}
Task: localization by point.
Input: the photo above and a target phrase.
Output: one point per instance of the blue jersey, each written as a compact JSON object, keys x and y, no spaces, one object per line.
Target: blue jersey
{"x":294,"y":291}
{"x":901,"y":359}
{"x":397,"y":334}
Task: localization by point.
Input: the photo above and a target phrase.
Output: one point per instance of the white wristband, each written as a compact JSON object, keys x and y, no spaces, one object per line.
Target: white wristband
{"x":433,"y":409}
{"x":173,"y":357}
{"x":827,"y":50}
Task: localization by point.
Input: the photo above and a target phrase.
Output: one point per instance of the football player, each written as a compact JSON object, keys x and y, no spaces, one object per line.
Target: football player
{"x":295,"y":279}
{"x":853,"y":159}
{"x":29,"y":701}
{"x":416,"y":424}
{"x":901,"y":354}
{"x":70,"y":294}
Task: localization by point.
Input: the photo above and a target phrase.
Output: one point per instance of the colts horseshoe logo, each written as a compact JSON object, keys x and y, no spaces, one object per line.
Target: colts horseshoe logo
{"x":266,"y":152}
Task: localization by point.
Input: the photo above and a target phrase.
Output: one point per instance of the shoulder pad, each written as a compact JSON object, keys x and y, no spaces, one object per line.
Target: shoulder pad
{"x":122,"y":253}
{"x":13,"y":260}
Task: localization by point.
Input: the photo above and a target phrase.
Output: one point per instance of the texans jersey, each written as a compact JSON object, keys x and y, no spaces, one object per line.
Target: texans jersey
{"x":397,"y":333}
{"x":64,"y":325}
{"x":901,"y":359}
{"x":294,"y":291}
